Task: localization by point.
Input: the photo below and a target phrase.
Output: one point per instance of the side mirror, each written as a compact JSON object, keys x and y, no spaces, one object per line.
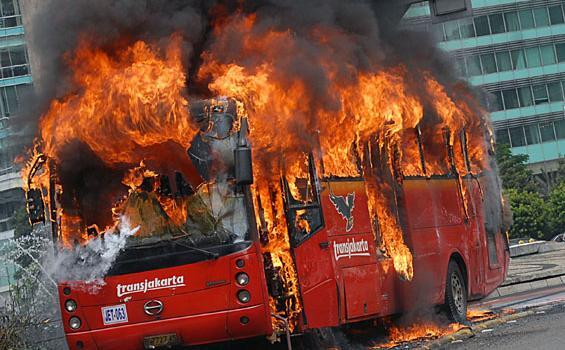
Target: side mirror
{"x":35,"y":206}
{"x":243,"y":163}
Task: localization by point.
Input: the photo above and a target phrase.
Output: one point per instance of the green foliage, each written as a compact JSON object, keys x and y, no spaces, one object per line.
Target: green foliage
{"x":538,"y":212}
{"x":22,"y":229}
{"x":557,"y":208}
{"x":513,"y":170}
{"x":530,"y":214}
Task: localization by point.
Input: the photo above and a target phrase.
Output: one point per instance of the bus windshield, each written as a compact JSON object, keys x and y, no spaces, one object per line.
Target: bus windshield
{"x":214,"y":214}
{"x":210,"y":214}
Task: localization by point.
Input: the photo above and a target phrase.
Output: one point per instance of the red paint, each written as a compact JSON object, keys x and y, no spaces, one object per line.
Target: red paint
{"x":342,"y":274}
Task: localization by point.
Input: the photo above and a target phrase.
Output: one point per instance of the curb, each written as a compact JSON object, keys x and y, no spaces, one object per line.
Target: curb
{"x":519,"y":287}
{"x":470,"y":332}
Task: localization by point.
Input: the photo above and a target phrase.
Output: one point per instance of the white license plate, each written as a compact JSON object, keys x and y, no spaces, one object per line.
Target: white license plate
{"x":114,"y":314}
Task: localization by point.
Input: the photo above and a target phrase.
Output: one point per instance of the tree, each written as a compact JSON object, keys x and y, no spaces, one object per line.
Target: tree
{"x":513,"y":170}
{"x":530,"y":214}
{"x":548,"y":180}
{"x":557,"y":209}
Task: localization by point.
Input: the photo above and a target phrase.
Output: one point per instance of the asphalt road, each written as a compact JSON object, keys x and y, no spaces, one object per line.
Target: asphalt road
{"x":544,"y":330}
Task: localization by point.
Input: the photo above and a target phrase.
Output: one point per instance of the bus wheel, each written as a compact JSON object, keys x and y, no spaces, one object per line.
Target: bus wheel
{"x":455,"y":294}
{"x":323,"y":338}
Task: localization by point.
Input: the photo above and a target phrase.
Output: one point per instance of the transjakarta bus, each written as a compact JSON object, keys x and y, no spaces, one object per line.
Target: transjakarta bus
{"x":215,"y":286}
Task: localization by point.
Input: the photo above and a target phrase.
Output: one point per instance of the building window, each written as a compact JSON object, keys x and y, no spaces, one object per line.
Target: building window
{"x":528,"y":95}
{"x":502,"y":22}
{"x":467,"y":28}
{"x":532,"y":134}
{"x":488,"y":63}
{"x":452,"y":30}
{"x":560,"y":129}
{"x":518,"y":60}
{"x":502,"y":136}
{"x":14,"y":62}
{"x":473,"y":65}
{"x":9,"y":95}
{"x":525,"y":96}
{"x":560,"y":49}
{"x":556,"y":14}
{"x":541,"y":17}
{"x":540,"y":94}
{"x":517,"y":137}
{"x":547,"y":132}
{"x":503,"y":61}
{"x":10,"y":13}
{"x":512,"y":23}
{"x":526,"y":19}
{"x":555,"y":93}
{"x":510,"y":99}
{"x":481,"y":25}
{"x":496,"y":23}
{"x":497,"y":104}
{"x":7,"y":210}
{"x":548,"y":55}
{"x":533,"y":58}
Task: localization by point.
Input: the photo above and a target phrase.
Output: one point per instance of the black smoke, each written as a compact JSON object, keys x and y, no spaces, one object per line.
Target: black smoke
{"x":370,"y":38}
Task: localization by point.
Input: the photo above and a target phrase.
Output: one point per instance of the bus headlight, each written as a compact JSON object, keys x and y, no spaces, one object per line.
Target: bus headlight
{"x":243,"y":296}
{"x":74,"y":322}
{"x":70,"y":305}
{"x":242,"y":279}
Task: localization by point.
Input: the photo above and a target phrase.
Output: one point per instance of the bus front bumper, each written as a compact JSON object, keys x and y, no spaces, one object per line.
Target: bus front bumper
{"x":190,"y":330}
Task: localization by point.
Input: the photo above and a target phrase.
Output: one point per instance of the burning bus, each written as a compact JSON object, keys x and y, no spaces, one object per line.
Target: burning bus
{"x":214,"y":251}
{"x":331,"y":186}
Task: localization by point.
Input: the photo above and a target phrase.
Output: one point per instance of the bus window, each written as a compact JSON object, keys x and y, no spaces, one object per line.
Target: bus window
{"x":303,"y":209}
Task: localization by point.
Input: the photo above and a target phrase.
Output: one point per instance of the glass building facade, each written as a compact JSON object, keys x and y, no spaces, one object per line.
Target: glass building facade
{"x":15,"y":83}
{"x":515,"y":51}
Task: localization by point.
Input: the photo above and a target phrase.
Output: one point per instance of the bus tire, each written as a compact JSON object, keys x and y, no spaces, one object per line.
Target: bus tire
{"x":323,"y":338}
{"x":455,"y":294}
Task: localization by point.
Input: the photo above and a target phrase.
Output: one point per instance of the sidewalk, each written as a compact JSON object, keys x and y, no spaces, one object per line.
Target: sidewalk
{"x":528,"y":272}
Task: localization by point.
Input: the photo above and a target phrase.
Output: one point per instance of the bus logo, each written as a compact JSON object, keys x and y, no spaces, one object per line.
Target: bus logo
{"x":351,"y":248}
{"x":344,"y":207}
{"x":149,"y":285}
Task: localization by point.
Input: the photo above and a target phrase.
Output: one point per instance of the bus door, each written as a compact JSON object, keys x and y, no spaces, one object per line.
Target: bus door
{"x":477,"y":256}
{"x":352,"y":247}
{"x":491,"y":213}
{"x":312,"y":251}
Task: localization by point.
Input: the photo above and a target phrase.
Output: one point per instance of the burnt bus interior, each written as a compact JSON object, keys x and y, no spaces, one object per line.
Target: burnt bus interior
{"x":218,"y":220}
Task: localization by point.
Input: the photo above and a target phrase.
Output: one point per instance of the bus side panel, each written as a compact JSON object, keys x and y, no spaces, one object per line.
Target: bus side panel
{"x":361,"y":291}
{"x":436,"y":224}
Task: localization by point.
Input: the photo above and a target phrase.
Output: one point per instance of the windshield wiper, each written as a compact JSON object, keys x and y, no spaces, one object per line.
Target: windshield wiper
{"x":208,"y":253}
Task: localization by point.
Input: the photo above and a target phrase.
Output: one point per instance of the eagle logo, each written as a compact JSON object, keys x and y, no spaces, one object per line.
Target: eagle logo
{"x":344,"y":206}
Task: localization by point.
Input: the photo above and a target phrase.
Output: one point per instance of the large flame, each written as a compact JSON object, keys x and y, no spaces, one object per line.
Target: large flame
{"x":128,"y":106}
{"x":287,"y":120}
{"x":124,"y":102}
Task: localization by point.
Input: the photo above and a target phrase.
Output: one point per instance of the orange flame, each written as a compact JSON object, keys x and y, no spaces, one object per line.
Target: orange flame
{"x":418,"y":331}
{"x":123,"y":103}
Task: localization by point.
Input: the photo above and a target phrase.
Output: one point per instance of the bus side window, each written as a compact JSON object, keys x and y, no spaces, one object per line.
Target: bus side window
{"x":303,"y":208}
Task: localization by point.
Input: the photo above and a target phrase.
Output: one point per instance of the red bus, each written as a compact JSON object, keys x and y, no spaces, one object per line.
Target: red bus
{"x":217,"y":283}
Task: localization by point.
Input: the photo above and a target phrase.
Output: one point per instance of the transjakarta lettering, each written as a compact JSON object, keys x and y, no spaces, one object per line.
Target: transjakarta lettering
{"x":351,"y":248}
{"x":148,"y":285}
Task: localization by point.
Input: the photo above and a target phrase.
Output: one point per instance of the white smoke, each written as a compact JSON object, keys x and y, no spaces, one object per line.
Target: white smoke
{"x":91,"y":262}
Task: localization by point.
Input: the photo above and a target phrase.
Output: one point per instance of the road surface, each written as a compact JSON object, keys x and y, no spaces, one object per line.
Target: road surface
{"x":543,"y":331}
